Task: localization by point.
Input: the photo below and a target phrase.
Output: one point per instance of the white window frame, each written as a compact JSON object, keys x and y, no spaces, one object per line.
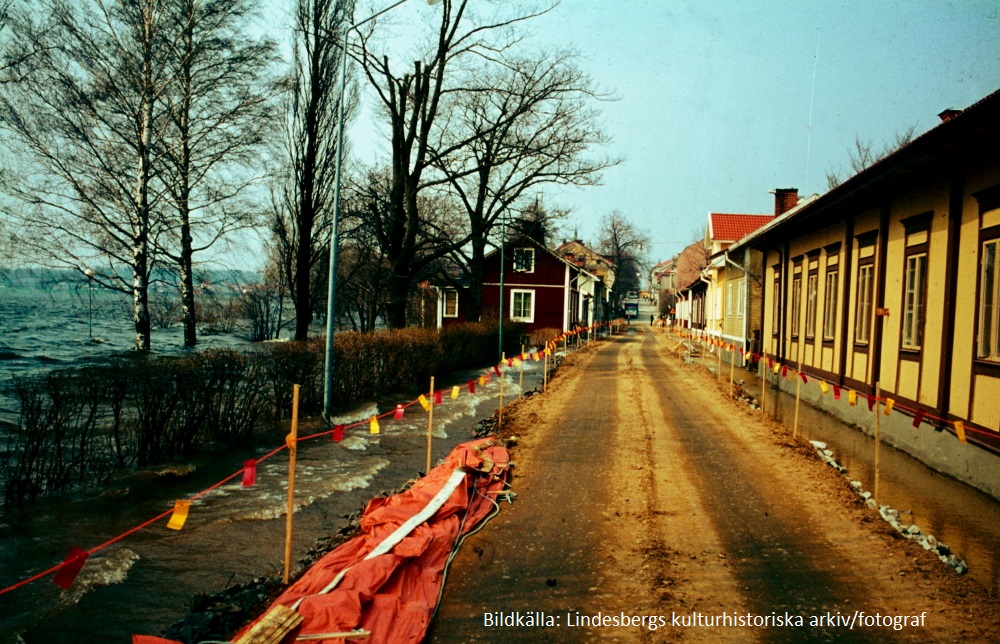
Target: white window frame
{"x":740,"y":298}
{"x":988,"y":339}
{"x":914,"y":292}
{"x":729,"y":300}
{"x":812,"y":294}
{"x":863,"y":315}
{"x":830,"y":306}
{"x":531,"y":252}
{"x":513,"y":298}
{"x":796,"y":305}
{"x":448,"y":293}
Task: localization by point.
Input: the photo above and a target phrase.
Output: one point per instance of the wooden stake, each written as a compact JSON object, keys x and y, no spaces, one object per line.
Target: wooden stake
{"x":732,"y":370}
{"x":878,"y":440}
{"x":798,"y":390}
{"x":520,"y":378}
{"x":763,"y":382}
{"x":292,"y":449}
{"x":718,"y":369}
{"x":430,"y":427}
{"x":545,"y":374}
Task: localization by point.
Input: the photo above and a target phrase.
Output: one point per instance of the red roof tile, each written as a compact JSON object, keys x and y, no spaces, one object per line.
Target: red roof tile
{"x":732,"y":227}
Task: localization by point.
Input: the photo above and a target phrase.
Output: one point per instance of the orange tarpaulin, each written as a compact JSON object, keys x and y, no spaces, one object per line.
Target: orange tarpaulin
{"x":393,"y":595}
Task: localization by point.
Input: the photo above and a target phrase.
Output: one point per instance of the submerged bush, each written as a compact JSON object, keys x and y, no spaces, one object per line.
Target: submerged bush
{"x":80,"y":426}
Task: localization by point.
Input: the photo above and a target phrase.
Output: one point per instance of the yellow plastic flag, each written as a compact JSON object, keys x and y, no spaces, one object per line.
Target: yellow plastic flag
{"x":373,"y":424}
{"x":516,"y":362}
{"x":482,"y":380}
{"x":889,"y":402}
{"x":825,"y":388}
{"x":548,"y":351}
{"x":180,"y":515}
{"x":524,"y":357}
{"x":852,"y":397}
{"x":454,"y":391}
{"x":290,"y":441}
{"x":777,"y":367}
{"x":960,"y":430}
{"x":426,"y":404}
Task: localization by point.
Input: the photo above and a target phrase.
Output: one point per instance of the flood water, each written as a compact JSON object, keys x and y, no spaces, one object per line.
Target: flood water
{"x":145,"y":582}
{"x":958,"y":515}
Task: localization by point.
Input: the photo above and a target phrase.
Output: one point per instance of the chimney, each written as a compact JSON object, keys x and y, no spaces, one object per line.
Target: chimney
{"x":948,"y":114}
{"x":785,"y":199}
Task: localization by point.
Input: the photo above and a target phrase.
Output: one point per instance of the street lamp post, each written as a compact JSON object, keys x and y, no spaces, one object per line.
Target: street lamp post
{"x":331,"y":297}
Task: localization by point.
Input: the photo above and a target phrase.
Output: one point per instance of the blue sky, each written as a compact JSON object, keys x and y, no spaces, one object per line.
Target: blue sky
{"x":714,"y":96}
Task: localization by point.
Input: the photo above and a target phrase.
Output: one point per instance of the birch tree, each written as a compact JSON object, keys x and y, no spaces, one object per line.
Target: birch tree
{"x":221,"y":108}
{"x":83,"y":118}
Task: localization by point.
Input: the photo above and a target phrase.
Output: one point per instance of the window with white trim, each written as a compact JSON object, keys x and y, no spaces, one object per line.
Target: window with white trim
{"x":522,"y":306}
{"x":830,"y":306}
{"x":913,"y":300}
{"x":863,"y":313}
{"x":524,"y":260}
{"x":451,"y":303}
{"x":740,"y":298}
{"x":796,"y":304}
{"x":812,"y":290}
{"x":989,"y":302}
{"x":729,"y":300}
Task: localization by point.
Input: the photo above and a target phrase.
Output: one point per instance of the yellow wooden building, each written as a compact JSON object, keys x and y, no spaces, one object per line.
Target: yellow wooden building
{"x":891,"y":280}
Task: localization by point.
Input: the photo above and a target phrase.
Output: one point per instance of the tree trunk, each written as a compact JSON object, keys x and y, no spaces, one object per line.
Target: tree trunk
{"x":474,"y":307}
{"x":395,"y":308}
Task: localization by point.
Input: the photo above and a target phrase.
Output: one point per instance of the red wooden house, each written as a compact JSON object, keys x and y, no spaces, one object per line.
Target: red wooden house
{"x":540,"y":290}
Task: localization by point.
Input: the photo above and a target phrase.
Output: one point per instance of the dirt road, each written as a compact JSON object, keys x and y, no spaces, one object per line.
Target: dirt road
{"x":651,"y":507}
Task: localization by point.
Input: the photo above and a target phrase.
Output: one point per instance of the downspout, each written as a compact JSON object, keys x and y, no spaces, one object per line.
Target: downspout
{"x":785,"y":288}
{"x":845,"y":319}
{"x":565,"y":326}
{"x":704,"y":309}
{"x":746,"y":299}
{"x":883,"y":244}
{"x":950,"y":288}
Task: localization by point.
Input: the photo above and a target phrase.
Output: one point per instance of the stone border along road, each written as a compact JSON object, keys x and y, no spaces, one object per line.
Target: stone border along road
{"x":642,"y":489}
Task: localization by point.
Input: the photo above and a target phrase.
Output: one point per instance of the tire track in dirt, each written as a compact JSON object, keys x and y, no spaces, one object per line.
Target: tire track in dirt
{"x":775,"y":550}
{"x":559,"y":548}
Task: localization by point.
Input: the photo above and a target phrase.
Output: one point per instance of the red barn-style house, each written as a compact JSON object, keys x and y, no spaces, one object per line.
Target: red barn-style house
{"x":540,"y":289}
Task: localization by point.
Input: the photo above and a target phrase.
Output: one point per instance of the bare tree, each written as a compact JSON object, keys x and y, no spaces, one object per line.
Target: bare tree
{"x":85,"y":114}
{"x":221,"y":105}
{"x":508,"y":130}
{"x":864,"y":154}
{"x":624,"y":244}
{"x":411,"y":99}
{"x":303,"y":217}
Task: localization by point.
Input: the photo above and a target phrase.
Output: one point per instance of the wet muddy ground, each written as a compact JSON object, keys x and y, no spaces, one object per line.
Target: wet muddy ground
{"x":644,"y":491}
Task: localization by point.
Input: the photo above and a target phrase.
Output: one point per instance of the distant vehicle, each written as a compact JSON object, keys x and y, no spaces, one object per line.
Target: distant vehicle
{"x":632,"y":295}
{"x":632,"y":309}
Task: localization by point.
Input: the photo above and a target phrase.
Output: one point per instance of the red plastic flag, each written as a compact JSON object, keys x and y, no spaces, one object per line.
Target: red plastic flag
{"x":784,"y":371}
{"x":804,"y":379}
{"x":338,"y":433}
{"x":534,"y":356}
{"x":871,"y":402}
{"x":770,"y":363}
{"x":249,"y":473}
{"x":472,"y":386}
{"x":489,"y":378}
{"x":918,"y":418}
{"x":399,"y":412}
{"x":510,"y":363}
{"x":70,"y":567}
{"x":836,"y":392}
{"x":437,"y":397}
{"x":496,"y":369}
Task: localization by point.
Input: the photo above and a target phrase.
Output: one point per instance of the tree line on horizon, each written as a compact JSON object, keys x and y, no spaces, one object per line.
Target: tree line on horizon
{"x":143,"y":136}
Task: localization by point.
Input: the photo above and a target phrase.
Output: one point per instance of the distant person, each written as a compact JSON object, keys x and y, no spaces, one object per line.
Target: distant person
{"x":651,"y":318}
